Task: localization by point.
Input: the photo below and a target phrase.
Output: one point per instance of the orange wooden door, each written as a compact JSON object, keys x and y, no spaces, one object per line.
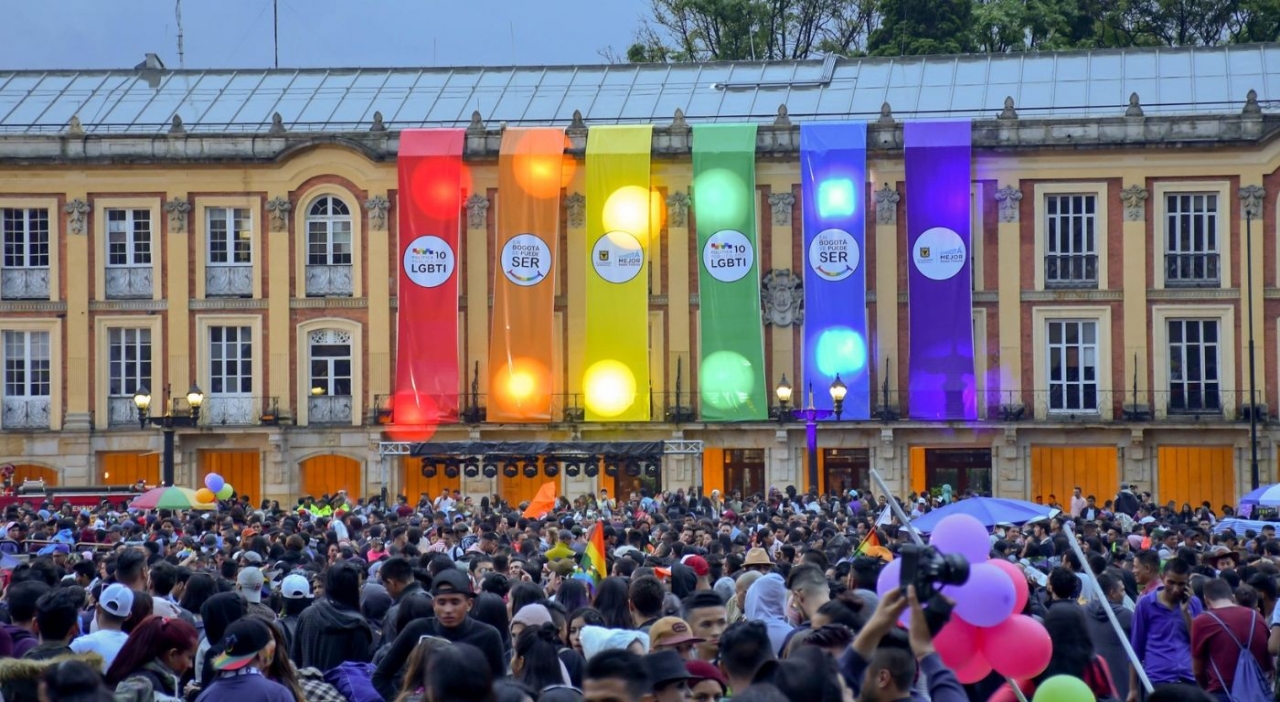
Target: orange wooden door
{"x":1058,"y":470}
{"x":1193,"y":474}
{"x":413,"y":485}
{"x":917,"y":459}
{"x":329,"y":474}
{"x":23,"y":472}
{"x":121,"y":468}
{"x":712,"y":471}
{"x":241,"y":469}
{"x":521,"y":489}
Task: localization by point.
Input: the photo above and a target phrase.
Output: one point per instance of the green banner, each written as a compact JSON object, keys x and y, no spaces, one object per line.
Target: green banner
{"x":731,"y":370}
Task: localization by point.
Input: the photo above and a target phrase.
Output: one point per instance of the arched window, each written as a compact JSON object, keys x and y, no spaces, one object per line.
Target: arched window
{"x":331,"y":372}
{"x":329,"y":249}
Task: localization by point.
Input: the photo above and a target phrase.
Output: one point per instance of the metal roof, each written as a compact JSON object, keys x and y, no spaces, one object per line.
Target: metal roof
{"x":1042,"y":85}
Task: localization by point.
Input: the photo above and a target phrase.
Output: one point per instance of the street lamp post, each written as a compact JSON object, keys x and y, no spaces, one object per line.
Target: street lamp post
{"x":783,"y":393}
{"x":168,"y":424}
{"x":1253,"y":397}
{"x":811,"y":416}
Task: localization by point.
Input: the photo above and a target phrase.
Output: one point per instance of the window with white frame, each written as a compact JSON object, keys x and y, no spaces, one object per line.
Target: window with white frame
{"x":328,"y":232}
{"x":128,"y":237}
{"x":1073,"y":365}
{"x":231,"y":360}
{"x":128,"y":370}
{"x":24,"y":270}
{"x":1070,"y":246}
{"x":28,"y":380}
{"x":330,"y":362}
{"x":230,"y":236}
{"x":1194,"y":366}
{"x":1191,"y":240}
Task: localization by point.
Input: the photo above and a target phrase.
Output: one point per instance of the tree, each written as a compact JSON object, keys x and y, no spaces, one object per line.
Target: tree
{"x":914,"y":27}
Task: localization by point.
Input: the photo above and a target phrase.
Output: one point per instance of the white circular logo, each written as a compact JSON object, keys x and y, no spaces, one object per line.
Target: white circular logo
{"x":728,"y":255}
{"x":428,"y":261}
{"x":834,"y":254}
{"x":526,"y":260}
{"x":939,"y":253}
{"x":617,"y":257}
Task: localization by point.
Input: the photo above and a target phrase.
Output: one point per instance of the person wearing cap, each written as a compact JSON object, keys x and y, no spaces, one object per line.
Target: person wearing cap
{"x":668,"y":675}
{"x":673,"y":634}
{"x":115,"y":604}
{"x":452,"y":598}
{"x":758,"y":560}
{"x":701,"y":569}
{"x":249,"y":584}
{"x":708,"y":683}
{"x":295,"y":589}
{"x":249,"y":649}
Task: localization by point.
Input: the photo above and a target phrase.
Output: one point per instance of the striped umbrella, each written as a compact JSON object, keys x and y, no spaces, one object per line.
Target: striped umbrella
{"x":170,"y":498}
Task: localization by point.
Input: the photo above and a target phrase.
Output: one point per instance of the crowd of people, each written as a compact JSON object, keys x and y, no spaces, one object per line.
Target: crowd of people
{"x":664,"y":598}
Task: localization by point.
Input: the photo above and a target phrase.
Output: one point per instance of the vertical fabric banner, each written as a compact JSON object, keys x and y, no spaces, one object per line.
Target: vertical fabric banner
{"x":429,"y":205}
{"x":615,"y":383}
{"x":521,"y":346}
{"x":731,"y":343}
{"x":940,"y":290}
{"x":833,"y":177}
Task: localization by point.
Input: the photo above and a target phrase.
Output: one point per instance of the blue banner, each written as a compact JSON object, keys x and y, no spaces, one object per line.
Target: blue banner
{"x":833,"y":173}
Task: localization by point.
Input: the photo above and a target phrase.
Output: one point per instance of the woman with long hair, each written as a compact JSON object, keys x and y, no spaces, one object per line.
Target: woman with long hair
{"x":536,"y":662}
{"x":200,"y":587}
{"x":153,"y":660}
{"x":573,"y":594}
{"x":281,"y":669}
{"x":583,"y":616}
{"x":459,"y":673}
{"x":611,"y":601}
{"x":413,"y":687}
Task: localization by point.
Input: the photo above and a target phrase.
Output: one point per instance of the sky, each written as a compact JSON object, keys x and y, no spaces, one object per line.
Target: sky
{"x":94,"y":34}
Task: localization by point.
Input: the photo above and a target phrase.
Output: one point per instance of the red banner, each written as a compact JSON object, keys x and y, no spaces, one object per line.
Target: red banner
{"x":430,"y":203}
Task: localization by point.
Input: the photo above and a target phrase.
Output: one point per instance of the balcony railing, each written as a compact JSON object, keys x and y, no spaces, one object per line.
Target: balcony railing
{"x":124,"y":282}
{"x":325,"y":281}
{"x":24,"y":283}
{"x":240,"y":410}
{"x":228,"y":281}
{"x":25,"y":413}
{"x":1191,"y":270}
{"x":329,"y":409}
{"x":1071,"y":270}
{"x":121,"y":411}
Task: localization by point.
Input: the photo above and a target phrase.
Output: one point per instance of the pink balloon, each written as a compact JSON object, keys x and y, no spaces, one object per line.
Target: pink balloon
{"x":974,"y":669}
{"x":889,"y":577}
{"x":1019,"y":583}
{"x":962,"y":534}
{"x":1018,"y":648}
{"x":957,"y":642}
{"x":987,"y":598}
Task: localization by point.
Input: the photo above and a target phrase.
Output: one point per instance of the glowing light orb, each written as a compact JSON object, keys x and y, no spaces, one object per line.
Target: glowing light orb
{"x":840,"y":350}
{"x":726,"y":380}
{"x":721,"y":200}
{"x":609,"y":387}
{"x":836,"y":198}
{"x":522,"y":386}
{"x":414,"y":417}
{"x":539,"y":173}
{"x":436,"y":187}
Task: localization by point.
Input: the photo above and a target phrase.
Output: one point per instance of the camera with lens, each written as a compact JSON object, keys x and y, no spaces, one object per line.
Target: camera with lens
{"x":929,"y":570}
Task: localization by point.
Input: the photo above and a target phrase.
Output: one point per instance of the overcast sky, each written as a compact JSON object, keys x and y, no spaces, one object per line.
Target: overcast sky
{"x":315,"y":33}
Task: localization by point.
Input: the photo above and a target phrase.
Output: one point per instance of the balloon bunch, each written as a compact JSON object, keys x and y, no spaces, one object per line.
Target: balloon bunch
{"x":989,"y":631}
{"x":215,"y":487}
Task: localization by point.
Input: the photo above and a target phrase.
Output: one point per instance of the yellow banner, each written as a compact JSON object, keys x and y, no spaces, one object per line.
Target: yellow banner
{"x":622,"y":214}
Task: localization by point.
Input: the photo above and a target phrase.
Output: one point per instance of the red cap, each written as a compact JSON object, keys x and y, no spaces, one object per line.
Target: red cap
{"x":729,"y":516}
{"x":702,"y":670}
{"x":699,"y":565}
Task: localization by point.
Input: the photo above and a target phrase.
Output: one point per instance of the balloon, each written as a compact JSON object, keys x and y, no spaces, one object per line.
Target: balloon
{"x":889,"y":577}
{"x":957,"y":642}
{"x":987,"y":598}
{"x":1019,"y":583}
{"x":1018,"y":648}
{"x":226,"y":492}
{"x":214,"y":482}
{"x":963,"y":535}
{"x":1063,"y":688}
{"x":974,"y":669}
{"x":204,"y":495}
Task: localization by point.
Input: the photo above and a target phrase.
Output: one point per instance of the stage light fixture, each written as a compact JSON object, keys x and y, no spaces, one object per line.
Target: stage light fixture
{"x":531,"y":466}
{"x":591,"y":466}
{"x":451,"y":468}
{"x":652,"y":467}
{"x":633,"y":468}
{"x":490,"y":468}
{"x":511,"y":469}
{"x":428,"y":468}
{"x":611,"y":466}
{"x":572,"y":468}
{"x":471,"y":468}
{"x":550,"y":467}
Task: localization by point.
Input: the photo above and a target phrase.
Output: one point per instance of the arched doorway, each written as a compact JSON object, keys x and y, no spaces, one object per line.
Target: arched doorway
{"x":26,"y":471}
{"x":329,"y":474}
{"x":242,"y":469}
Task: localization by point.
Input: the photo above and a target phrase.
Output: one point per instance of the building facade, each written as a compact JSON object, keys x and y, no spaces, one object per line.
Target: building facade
{"x":237,"y":231}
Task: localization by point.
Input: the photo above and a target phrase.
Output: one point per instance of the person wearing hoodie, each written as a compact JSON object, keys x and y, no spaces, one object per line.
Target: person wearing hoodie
{"x":333,"y":631}
{"x":21,"y":598}
{"x":766,"y":602}
{"x":217,"y":612}
{"x":250,"y":649}
{"x":57,"y":614}
{"x":396,"y":575}
{"x":1105,"y":641}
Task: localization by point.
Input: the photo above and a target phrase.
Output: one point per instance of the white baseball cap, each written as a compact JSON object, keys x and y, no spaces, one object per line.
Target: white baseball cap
{"x":116,"y":600}
{"x":295,"y":587}
{"x":250,"y":581}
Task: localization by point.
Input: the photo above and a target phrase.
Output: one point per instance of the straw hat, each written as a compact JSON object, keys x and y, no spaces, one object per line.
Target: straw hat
{"x":757,"y":557}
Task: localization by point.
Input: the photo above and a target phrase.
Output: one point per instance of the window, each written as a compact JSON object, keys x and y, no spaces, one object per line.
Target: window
{"x":230,"y":360}
{"x":1070,"y":256}
{"x":1073,"y":366}
{"x":230,"y":236}
{"x":1191,"y":240}
{"x":329,"y":233}
{"x":24,"y":274}
{"x":1193,"y":366}
{"x":330,"y":401}
{"x":27,"y":380}
{"x":128,"y":369}
{"x":128,"y":237}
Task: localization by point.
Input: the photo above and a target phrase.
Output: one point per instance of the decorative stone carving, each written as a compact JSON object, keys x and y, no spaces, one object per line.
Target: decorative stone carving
{"x":575,"y":206}
{"x":279,"y":207}
{"x":577,"y":123}
{"x":378,"y":206}
{"x":781,"y":204}
{"x":678,"y":123}
{"x":74,"y":127}
{"x":1251,"y":106}
{"x":678,"y":209}
{"x":1008,"y":197}
{"x":886,"y":115}
{"x":177,"y":209}
{"x":782,"y":297}
{"x":477,"y":211}
{"x":782,"y":120}
{"x":887,"y":205}
{"x":1251,"y":201}
{"x":1008,"y":112}
{"x":277,"y":125}
{"x":378,"y":126}
{"x":76,"y":211}
{"x":476,"y":124}
{"x":1134,"y":198}
{"x":177,"y":128}
{"x":1135,"y":106}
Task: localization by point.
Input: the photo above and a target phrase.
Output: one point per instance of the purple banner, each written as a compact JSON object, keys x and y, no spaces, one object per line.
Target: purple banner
{"x":940,"y":289}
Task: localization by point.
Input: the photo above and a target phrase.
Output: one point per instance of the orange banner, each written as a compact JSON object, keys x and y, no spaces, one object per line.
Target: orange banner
{"x":531,"y":171}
